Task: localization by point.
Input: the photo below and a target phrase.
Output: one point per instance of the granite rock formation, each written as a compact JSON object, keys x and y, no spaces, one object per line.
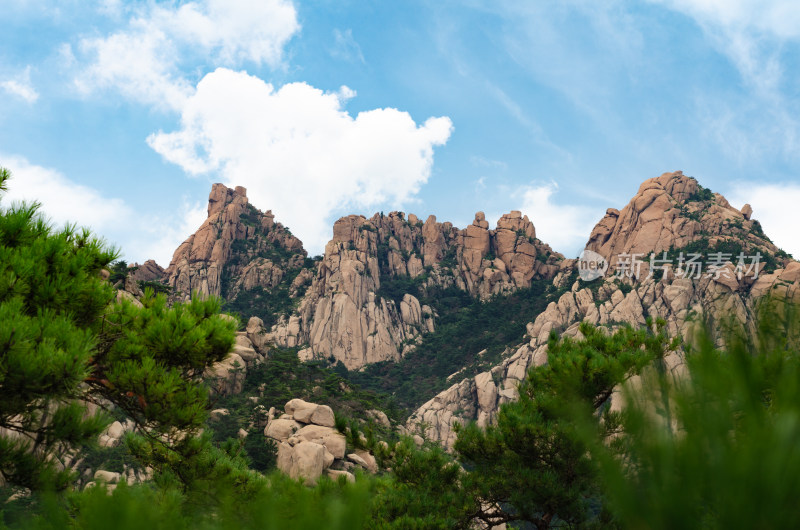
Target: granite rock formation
{"x":668,"y":214}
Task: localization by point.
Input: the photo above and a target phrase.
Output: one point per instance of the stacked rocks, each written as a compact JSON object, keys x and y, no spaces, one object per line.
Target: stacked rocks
{"x":309,"y":445}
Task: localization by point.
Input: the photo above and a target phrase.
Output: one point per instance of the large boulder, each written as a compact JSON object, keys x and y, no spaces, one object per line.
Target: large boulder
{"x":333,"y":440}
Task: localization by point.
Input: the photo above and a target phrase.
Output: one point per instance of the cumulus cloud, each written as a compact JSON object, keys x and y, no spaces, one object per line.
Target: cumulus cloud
{"x":140,"y":236}
{"x":564,"y":227}
{"x":145,"y":61}
{"x":21,"y":86}
{"x":298,"y":151}
{"x":775,"y":206}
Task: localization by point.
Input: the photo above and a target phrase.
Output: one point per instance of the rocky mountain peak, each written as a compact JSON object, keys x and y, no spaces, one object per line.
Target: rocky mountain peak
{"x":366,"y":302}
{"x":238,"y":253}
{"x":673,"y":212}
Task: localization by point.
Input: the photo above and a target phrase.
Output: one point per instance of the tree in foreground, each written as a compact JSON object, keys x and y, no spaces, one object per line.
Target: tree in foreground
{"x":533,"y":465}
{"x":719,"y":448}
{"x":64,"y":344}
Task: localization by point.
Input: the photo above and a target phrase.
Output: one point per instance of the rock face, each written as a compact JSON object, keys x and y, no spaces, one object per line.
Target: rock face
{"x":147,"y":272}
{"x":671,"y":211}
{"x":358,"y":308}
{"x":227,"y":376}
{"x":360,"y":303}
{"x":237,"y":249}
{"x":309,"y":445}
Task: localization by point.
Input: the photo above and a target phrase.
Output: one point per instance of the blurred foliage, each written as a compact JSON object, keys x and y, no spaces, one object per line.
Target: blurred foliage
{"x":718,"y":447}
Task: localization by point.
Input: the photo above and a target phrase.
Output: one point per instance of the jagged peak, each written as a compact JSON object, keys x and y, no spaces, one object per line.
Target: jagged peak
{"x":221,"y":195}
{"x":672,"y":211}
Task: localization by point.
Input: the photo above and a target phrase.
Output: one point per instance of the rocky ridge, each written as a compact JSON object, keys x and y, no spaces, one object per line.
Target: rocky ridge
{"x":363,"y":304}
{"x":363,"y":301}
{"x":668,"y":213}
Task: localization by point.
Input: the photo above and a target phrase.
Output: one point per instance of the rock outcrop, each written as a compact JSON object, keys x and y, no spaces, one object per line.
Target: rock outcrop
{"x":309,"y":445}
{"x":671,"y":212}
{"x":237,"y":248}
{"x":363,"y":305}
{"x":668,"y":213}
{"x":361,"y":302}
{"x":148,"y":271}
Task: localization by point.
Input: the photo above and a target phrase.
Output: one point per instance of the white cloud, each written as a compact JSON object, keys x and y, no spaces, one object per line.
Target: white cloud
{"x":298,"y":152}
{"x":62,"y":200}
{"x":141,"y":65}
{"x":157,"y":236}
{"x":566,"y":228}
{"x":147,"y":59}
{"x":778,"y":17}
{"x":140,"y":236}
{"x":775,"y":207}
{"x":21,"y":86}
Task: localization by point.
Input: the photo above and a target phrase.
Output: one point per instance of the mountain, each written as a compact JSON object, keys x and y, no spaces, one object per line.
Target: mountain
{"x":672,"y":214}
{"x":419,"y":309}
{"x":359,"y":303}
{"x":242,"y":255}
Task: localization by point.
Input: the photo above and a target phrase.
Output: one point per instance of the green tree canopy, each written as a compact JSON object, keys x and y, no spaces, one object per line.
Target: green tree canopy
{"x":720,"y":446}
{"x":533,"y":465}
{"x":65,"y":343}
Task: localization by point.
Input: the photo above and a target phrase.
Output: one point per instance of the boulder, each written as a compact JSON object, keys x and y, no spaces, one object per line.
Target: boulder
{"x":333,"y":440}
{"x":308,"y":461}
{"x":109,"y":477}
{"x":281,"y":429}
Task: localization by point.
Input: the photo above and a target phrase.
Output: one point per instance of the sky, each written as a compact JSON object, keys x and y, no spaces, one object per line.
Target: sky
{"x":120,"y":115}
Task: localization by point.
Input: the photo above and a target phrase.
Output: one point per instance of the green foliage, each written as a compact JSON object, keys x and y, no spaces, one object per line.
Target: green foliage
{"x":426,"y":490}
{"x":533,"y":465}
{"x":157,"y":287}
{"x":395,"y":287}
{"x":63,"y":343}
{"x":267,"y":304}
{"x":250,"y":217}
{"x":283,"y":377}
{"x":51,"y":302}
{"x":150,"y":358}
{"x":5,"y":175}
{"x":261,"y":451}
{"x":464,"y":328}
{"x":113,"y":459}
{"x":119,"y":271}
{"x":718,"y":447}
{"x":276,"y":503}
{"x":730,"y":246}
{"x":701,"y":195}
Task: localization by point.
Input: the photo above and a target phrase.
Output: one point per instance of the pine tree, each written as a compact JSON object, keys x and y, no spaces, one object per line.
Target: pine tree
{"x":718,"y":447}
{"x":533,"y":465}
{"x":65,"y":343}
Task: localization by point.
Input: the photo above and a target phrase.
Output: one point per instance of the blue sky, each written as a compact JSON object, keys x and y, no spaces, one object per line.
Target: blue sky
{"x":119,"y":115}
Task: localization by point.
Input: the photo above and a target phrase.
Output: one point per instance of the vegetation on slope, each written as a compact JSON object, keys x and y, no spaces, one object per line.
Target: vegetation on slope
{"x":471,"y":335}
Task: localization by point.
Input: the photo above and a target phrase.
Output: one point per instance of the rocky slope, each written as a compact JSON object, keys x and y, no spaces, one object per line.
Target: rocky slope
{"x":671,"y":213}
{"x":308,"y":444}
